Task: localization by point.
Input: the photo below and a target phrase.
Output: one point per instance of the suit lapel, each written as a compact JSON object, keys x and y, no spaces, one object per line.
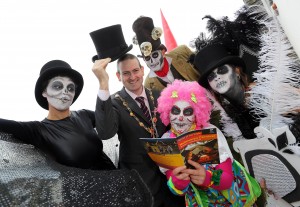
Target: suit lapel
{"x":152,"y":107}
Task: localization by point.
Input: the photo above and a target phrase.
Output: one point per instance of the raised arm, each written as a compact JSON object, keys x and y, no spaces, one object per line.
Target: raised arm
{"x":105,"y":114}
{"x":24,"y":131}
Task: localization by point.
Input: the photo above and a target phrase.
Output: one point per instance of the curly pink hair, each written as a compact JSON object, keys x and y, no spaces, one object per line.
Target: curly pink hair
{"x":189,"y":91}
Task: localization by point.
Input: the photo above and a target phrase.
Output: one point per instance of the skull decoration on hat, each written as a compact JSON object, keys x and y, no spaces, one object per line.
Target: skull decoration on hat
{"x":164,"y":66}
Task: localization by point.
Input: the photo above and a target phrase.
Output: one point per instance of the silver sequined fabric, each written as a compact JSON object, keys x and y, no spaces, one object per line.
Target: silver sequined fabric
{"x":29,"y":178}
{"x":277,"y":176}
{"x":111,"y":148}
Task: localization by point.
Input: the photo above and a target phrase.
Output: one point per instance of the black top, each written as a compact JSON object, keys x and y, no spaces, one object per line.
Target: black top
{"x":242,"y":116}
{"x":72,"y":141}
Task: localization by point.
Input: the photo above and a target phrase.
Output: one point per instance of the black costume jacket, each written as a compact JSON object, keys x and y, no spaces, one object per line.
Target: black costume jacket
{"x":72,"y":141}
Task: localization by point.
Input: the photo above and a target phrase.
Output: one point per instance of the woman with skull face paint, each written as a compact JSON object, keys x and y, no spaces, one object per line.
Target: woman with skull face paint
{"x":223,"y":74}
{"x":185,"y":107}
{"x":67,"y":136}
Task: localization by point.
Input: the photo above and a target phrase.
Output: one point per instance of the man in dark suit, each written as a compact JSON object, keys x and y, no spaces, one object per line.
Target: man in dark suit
{"x":121,"y":114}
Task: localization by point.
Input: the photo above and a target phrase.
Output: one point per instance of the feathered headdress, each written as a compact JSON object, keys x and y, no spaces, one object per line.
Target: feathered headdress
{"x":240,"y":36}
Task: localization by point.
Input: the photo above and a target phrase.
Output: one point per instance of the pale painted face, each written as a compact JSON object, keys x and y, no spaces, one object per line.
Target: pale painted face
{"x":155,"y":60}
{"x":182,"y":117}
{"x":60,"y":92}
{"x":222,"y":79}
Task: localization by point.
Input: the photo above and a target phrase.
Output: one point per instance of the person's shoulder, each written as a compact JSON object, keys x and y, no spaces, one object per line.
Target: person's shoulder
{"x":116,"y":95}
{"x":155,"y":92}
{"x":153,"y":83}
{"x":118,"y":98}
{"x":83,"y":112}
{"x":180,"y":50}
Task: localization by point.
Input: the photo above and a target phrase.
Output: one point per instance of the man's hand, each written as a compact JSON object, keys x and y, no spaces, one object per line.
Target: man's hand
{"x":99,"y":69}
{"x":198,"y":174}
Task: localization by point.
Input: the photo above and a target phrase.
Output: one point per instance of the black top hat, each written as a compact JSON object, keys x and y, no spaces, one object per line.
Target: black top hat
{"x":211,"y":57}
{"x":145,"y":32}
{"x":109,"y":42}
{"x":50,"y":70}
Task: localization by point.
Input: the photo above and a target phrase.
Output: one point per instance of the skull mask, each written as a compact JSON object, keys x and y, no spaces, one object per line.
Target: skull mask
{"x":182,"y":117}
{"x":222,"y":79}
{"x":155,"y":60}
{"x":60,"y":92}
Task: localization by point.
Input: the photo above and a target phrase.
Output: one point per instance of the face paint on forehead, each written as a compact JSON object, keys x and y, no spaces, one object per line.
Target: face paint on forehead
{"x":222,"y":79}
{"x":182,"y":117}
{"x":155,"y":60}
{"x":218,"y":71}
{"x":60,"y":92}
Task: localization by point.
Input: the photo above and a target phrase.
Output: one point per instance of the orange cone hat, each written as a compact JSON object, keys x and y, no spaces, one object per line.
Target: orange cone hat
{"x":169,"y":38}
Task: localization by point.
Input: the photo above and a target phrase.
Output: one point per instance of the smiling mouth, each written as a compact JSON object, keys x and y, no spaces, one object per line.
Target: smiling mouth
{"x":221,"y":84}
{"x":133,"y":82}
{"x":180,"y":125}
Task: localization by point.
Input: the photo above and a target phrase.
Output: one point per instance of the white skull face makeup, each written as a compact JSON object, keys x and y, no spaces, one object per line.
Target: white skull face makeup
{"x":155,"y":60}
{"x":60,"y":92}
{"x":182,"y":117}
{"x":222,"y":79}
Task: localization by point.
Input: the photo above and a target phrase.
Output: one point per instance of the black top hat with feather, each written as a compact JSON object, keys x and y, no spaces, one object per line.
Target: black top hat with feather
{"x":238,"y":38}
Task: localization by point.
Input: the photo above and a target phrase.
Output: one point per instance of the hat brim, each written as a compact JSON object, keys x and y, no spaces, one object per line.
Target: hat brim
{"x":235,"y":60}
{"x":115,"y":57}
{"x":59,"y":71}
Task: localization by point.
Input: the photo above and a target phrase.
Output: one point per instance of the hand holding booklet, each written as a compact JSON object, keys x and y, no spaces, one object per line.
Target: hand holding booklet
{"x":199,"y":145}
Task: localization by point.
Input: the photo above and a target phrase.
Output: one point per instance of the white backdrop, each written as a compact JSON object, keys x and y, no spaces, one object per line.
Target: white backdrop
{"x":36,"y":31}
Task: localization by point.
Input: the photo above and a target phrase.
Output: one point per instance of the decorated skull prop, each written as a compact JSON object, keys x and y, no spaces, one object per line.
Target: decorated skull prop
{"x":146,"y":48}
{"x":156,"y":33}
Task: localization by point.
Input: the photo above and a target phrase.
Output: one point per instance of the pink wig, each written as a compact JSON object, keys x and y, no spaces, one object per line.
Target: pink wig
{"x":189,"y":91}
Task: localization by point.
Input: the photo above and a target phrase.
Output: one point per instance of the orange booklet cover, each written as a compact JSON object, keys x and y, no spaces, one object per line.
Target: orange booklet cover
{"x":199,"y":145}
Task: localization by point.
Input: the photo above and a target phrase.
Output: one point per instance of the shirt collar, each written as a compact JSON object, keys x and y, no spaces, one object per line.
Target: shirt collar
{"x":134,"y":95}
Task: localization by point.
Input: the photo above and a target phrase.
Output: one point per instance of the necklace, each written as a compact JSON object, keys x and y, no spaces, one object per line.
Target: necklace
{"x":151,"y":129}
